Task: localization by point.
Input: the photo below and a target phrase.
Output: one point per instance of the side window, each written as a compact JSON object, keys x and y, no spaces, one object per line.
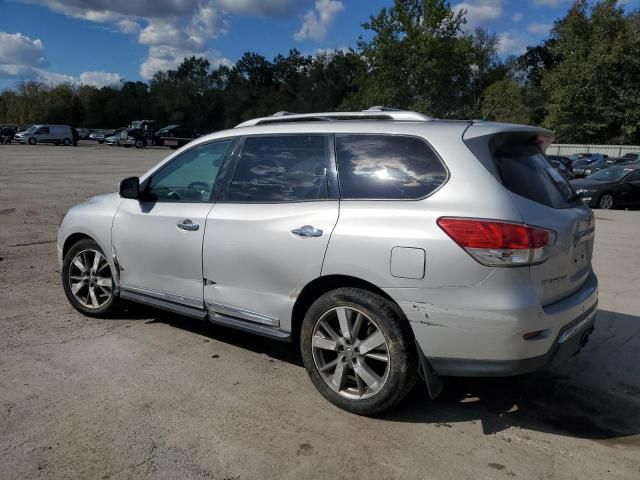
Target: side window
{"x":190,"y":176}
{"x":387,"y":167}
{"x":287,"y":168}
{"x":43,"y":130}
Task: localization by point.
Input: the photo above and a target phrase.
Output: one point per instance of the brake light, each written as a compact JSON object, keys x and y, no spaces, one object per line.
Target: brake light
{"x":500,"y":244}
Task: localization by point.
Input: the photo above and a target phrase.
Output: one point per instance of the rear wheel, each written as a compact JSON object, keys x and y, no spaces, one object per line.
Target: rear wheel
{"x":606,"y":201}
{"x":358,"y":352}
{"x":87,"y":279}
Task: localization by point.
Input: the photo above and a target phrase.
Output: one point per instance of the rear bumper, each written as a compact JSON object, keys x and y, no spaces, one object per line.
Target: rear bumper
{"x":480,"y":330}
{"x":570,"y":340}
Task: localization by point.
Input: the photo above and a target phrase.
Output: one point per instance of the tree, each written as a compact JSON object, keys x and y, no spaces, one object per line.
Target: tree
{"x":504,"y":101}
{"x":593,"y":88}
{"x":420,"y":58}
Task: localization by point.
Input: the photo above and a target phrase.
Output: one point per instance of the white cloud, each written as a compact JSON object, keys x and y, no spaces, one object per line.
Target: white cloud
{"x":517,"y":17}
{"x":262,"y":7}
{"x":317,"y":20}
{"x":510,"y":43}
{"x":479,"y":12}
{"x":20,"y":55}
{"x":22,"y":58}
{"x":174,"y":29}
{"x":99,"y":79}
{"x":539,"y":28}
{"x":163,"y":57}
{"x":550,"y":3}
{"x":126,"y":25}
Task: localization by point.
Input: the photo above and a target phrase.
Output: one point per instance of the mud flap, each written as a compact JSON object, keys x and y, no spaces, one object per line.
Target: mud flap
{"x":433,"y":381}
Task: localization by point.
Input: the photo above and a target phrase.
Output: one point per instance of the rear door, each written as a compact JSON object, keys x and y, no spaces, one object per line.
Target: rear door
{"x":266,"y":238}
{"x":546,"y":199}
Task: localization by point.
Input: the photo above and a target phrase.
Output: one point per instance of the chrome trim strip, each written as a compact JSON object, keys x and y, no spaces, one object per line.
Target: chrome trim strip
{"x":244,"y":314}
{"x":575,"y":329}
{"x":192,"y":302}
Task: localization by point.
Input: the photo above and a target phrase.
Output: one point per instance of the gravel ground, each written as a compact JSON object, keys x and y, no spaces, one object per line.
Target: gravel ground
{"x":154,"y":395}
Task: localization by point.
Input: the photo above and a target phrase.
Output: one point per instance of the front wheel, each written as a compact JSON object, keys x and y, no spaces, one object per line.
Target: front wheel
{"x":606,"y":201}
{"x":32,"y":141}
{"x":358,"y":351}
{"x":87,"y":280}
{"x":66,"y":142}
{"x":139,"y":144}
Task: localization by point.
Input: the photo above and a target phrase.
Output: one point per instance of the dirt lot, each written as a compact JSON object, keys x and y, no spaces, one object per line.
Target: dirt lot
{"x":154,"y":395}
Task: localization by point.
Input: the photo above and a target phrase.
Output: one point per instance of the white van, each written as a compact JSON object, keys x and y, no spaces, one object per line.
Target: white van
{"x":57,"y":134}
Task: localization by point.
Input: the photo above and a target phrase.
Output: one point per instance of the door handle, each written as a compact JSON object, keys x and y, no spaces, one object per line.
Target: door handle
{"x":188,"y":225}
{"x":307,"y":231}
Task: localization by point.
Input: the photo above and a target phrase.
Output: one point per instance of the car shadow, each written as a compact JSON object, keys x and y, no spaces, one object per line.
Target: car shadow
{"x":545,"y":401}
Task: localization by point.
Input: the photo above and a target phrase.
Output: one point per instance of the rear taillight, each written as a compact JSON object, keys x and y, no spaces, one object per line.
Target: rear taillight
{"x":500,"y":244}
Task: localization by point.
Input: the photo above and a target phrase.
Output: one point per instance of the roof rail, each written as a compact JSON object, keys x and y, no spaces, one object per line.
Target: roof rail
{"x":373,"y":113}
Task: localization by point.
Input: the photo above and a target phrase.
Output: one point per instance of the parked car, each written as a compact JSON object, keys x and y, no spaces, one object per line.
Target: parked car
{"x":7,"y":133}
{"x":83,"y":133}
{"x":585,"y":158}
{"x":584,"y":168}
{"x":591,"y":156}
{"x":562,"y":164}
{"x":100,"y":135}
{"x":56,"y":134}
{"x":617,"y":186}
{"x":587,"y":169}
{"x":631,"y":156}
{"x":175,"y":136}
{"x":115,"y":138}
{"x":385,"y":243}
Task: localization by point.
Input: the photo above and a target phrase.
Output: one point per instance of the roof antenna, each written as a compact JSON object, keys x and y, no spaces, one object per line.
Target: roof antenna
{"x":495,"y":104}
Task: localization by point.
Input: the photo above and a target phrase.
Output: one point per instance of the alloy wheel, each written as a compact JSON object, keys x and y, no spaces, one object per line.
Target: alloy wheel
{"x":90,"y":279}
{"x":606,"y":201}
{"x":351,"y":353}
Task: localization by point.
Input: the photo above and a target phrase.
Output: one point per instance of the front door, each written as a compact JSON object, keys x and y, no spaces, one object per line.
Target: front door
{"x":158,"y":241}
{"x":266,"y":238}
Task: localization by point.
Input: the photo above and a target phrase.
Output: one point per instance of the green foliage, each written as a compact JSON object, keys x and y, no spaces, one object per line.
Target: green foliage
{"x":583,"y":81}
{"x":593,"y":90}
{"x":420,"y":58}
{"x":504,"y":101}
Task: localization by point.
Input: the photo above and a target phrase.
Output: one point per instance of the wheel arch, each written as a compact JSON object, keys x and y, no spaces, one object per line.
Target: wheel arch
{"x":72,"y":239}
{"x":321,"y":285}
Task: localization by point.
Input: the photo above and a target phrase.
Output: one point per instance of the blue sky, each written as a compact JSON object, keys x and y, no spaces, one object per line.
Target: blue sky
{"x":103,"y":41}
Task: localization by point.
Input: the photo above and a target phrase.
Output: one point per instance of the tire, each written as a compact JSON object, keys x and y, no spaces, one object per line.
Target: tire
{"x":139,"y":144}
{"x":32,"y":141}
{"x":100,"y":142}
{"x":606,"y":201}
{"x":66,"y":142}
{"x":98,"y":304}
{"x":362,"y":393}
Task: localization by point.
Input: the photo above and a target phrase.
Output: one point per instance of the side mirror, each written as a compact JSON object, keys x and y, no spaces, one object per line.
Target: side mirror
{"x":130,"y":188}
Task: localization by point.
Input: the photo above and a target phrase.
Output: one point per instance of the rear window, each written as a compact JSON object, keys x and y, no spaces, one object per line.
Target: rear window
{"x":525,"y":171}
{"x":387,"y":167}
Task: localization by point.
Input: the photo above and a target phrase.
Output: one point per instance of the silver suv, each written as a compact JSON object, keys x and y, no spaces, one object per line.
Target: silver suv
{"x":389,"y":245}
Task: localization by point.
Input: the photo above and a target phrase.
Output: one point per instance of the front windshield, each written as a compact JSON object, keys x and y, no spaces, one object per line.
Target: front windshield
{"x":612,"y":174}
{"x":31,"y":129}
